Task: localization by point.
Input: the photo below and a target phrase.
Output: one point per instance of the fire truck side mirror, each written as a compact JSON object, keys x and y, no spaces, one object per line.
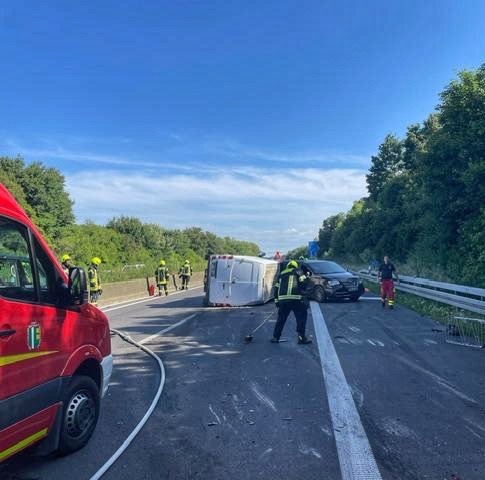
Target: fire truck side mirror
{"x":78,"y":286}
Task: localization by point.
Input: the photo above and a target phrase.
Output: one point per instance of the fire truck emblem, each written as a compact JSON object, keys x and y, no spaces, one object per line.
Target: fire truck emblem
{"x":33,"y":336}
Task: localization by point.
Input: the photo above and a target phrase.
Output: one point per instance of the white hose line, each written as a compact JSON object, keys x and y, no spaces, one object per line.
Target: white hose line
{"x":145,"y":418}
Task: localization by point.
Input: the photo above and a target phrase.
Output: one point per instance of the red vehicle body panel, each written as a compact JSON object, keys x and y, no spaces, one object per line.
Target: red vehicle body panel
{"x":69,"y":336}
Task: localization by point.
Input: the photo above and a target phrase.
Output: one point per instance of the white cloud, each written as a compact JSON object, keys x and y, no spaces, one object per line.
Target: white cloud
{"x":276,"y":209}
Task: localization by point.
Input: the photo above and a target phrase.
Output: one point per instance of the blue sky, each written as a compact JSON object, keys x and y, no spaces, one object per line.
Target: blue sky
{"x":254,"y":119}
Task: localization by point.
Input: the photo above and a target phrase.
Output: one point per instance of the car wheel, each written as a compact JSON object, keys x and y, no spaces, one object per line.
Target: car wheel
{"x":80,"y":414}
{"x":354,"y":298}
{"x":319,"y":294}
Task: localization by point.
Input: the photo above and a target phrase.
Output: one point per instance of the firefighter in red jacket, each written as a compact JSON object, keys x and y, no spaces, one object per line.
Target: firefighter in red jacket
{"x":385,"y":276}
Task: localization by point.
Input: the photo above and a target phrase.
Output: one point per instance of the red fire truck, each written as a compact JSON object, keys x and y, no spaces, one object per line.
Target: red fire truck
{"x":55,"y":352}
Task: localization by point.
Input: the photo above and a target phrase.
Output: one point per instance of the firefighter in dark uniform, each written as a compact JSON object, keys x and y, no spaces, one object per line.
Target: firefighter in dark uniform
{"x":290,"y":296}
{"x":162,"y":276}
{"x":385,"y":276}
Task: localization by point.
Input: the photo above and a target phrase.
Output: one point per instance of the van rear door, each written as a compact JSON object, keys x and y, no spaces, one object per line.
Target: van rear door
{"x":244,"y":282}
{"x":220,"y":280}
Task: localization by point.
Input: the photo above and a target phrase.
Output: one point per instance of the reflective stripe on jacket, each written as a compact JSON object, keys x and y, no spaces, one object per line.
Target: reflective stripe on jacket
{"x":291,"y":285}
{"x":186,"y":270}
{"x":94,"y":281}
{"x":162,"y":276}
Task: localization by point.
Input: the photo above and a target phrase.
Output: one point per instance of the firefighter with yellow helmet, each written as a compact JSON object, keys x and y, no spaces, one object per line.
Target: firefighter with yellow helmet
{"x":185,"y":273}
{"x":95,"y":289}
{"x":290,"y":296}
{"x":66,"y":263}
{"x":162,"y":276}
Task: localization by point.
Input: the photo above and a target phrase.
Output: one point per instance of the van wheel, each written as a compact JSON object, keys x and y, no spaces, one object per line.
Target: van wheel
{"x":319,"y":294}
{"x":80,"y":414}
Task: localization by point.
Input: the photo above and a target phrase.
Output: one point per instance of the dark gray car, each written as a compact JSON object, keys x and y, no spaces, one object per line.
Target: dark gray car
{"x":328,"y":280}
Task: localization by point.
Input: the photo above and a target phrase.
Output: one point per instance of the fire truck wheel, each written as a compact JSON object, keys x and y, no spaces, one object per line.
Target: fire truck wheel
{"x":80,"y":414}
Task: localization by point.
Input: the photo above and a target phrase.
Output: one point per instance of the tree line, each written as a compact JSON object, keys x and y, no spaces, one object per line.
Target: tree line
{"x":127,"y":246}
{"x":426,"y":194}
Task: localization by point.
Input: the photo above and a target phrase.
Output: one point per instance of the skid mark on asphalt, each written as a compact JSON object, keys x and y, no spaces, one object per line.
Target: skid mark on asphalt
{"x":262,"y":397}
{"x":266,"y":452}
{"x":394,"y":427}
{"x":309,"y":451}
{"x":439,"y":380}
{"x":473,"y":432}
{"x":237,"y":408}
{"x":215,"y":415}
{"x":358,"y":396}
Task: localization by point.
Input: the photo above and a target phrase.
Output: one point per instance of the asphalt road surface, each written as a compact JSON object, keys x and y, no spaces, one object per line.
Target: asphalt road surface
{"x":283,"y":411}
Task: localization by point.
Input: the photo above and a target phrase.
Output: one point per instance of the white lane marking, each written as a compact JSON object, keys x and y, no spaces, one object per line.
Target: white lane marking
{"x":371,"y":342}
{"x":129,"y":303}
{"x":326,"y":431}
{"x":354,"y":329}
{"x":369,"y":298}
{"x":379,"y":343}
{"x":262,"y":397}
{"x":439,"y":380}
{"x":165,"y":330}
{"x":356,"y":459}
{"x":430,"y":342}
{"x":215,"y":415}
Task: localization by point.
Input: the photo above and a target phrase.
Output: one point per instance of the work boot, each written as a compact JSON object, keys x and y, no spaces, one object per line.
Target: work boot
{"x":302,"y":340}
{"x":383,"y":303}
{"x":391,"y":307}
{"x":275,"y":340}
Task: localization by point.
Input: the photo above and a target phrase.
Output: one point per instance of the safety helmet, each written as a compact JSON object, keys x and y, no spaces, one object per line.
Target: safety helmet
{"x":186,"y":262}
{"x":95,"y":260}
{"x":292,"y":264}
{"x":65,"y":258}
{"x":162,"y":263}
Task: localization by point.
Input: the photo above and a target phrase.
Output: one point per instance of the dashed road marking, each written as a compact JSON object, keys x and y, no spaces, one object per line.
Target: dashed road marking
{"x":165,"y":330}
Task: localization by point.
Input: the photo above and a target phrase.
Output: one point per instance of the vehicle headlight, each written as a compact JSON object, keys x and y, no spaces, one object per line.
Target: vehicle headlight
{"x":333,"y":283}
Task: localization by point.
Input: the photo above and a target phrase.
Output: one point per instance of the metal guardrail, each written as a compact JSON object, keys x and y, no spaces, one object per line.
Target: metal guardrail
{"x":467,"y":298}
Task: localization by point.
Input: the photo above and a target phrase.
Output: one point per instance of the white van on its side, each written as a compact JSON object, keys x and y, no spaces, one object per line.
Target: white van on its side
{"x":238,"y":280}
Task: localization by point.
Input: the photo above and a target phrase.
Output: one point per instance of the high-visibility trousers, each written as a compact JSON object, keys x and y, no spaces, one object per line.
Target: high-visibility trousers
{"x":387,"y":291}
